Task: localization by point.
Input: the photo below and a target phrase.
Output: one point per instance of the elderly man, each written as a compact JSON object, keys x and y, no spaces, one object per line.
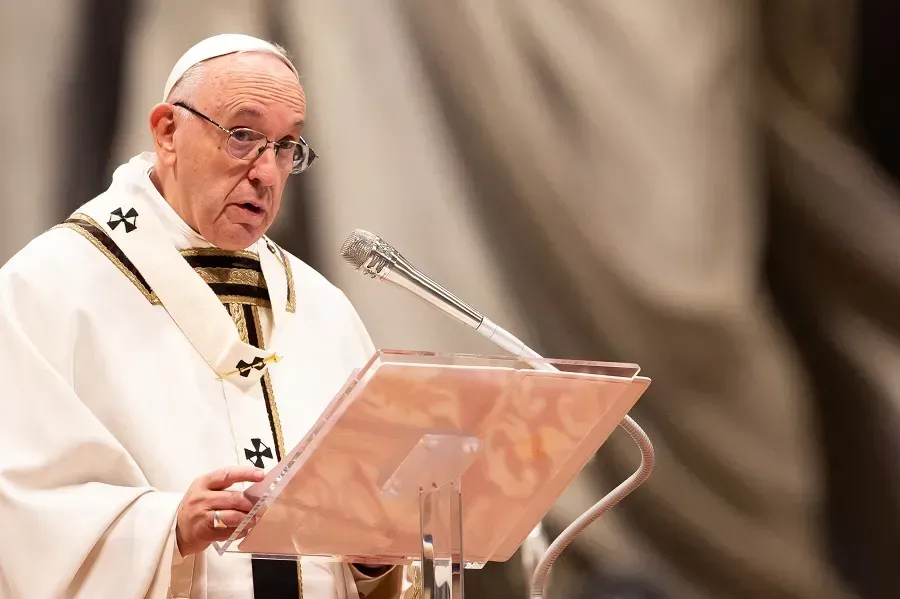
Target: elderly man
{"x":135,"y":406}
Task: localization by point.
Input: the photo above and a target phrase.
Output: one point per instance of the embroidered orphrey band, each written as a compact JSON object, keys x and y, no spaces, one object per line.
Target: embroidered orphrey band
{"x":235,"y":276}
{"x":276,"y":577}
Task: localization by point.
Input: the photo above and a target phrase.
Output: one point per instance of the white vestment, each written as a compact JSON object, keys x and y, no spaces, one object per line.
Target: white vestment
{"x":122,"y":385}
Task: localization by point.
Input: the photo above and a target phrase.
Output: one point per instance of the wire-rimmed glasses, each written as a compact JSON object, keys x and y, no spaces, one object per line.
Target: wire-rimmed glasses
{"x":246,"y":144}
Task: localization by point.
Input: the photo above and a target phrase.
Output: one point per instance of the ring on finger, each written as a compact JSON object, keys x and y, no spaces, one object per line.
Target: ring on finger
{"x":217,"y":520}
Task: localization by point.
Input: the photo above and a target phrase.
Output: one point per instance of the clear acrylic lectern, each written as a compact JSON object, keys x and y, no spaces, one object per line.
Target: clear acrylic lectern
{"x":445,"y":460}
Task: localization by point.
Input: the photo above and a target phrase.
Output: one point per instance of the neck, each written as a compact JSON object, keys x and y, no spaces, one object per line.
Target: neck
{"x":160,"y":187}
{"x":158,"y":182}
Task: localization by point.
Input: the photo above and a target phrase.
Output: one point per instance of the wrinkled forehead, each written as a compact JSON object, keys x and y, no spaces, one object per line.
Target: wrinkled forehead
{"x":254,"y":87}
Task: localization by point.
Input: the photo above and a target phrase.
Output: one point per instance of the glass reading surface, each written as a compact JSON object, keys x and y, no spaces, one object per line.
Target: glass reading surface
{"x":513,"y":437}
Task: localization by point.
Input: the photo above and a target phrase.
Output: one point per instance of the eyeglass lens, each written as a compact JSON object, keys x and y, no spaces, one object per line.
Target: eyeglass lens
{"x":246,"y":144}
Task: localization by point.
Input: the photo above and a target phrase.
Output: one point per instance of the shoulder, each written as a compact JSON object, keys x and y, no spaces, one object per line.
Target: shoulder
{"x":60,"y":266}
{"x":45,"y":287}
{"x":54,"y":255}
{"x":63,"y":252}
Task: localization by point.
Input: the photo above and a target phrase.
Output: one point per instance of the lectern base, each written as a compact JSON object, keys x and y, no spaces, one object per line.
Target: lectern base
{"x":434,"y":469}
{"x":440,"y":519}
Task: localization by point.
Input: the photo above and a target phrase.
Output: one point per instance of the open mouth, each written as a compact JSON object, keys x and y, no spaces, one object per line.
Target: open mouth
{"x":251,"y":207}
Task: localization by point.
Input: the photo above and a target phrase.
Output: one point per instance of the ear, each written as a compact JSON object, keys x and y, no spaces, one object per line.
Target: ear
{"x":162,"y":127}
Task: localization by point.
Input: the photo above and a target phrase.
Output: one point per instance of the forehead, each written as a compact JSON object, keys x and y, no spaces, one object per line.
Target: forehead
{"x":254,"y":85}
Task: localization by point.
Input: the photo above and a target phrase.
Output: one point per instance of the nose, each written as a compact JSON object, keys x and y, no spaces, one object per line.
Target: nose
{"x":264,"y":169}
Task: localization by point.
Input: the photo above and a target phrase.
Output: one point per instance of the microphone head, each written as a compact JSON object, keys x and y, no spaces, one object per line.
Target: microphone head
{"x":358,"y":247}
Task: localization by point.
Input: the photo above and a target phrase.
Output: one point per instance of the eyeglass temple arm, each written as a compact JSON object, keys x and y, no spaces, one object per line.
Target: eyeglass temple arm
{"x":202,"y":116}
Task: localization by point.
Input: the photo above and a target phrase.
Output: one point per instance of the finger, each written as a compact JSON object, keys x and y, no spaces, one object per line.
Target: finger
{"x":225,"y":477}
{"x":230,"y":518}
{"x":229,"y":500}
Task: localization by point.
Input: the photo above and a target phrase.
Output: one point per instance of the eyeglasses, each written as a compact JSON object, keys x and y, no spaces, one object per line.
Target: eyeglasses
{"x":246,"y":144}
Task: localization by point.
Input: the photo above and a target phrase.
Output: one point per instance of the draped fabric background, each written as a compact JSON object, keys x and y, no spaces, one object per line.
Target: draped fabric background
{"x":705,"y":188}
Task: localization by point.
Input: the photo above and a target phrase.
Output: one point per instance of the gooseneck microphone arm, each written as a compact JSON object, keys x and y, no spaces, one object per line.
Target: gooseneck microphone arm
{"x":370,"y":255}
{"x":385,"y":263}
{"x":373,"y":257}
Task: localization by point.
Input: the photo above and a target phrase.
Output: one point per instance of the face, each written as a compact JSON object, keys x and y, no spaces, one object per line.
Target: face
{"x":229,"y":201}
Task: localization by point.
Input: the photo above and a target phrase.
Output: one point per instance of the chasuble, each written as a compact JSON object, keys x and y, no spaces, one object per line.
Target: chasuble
{"x":136,"y":357}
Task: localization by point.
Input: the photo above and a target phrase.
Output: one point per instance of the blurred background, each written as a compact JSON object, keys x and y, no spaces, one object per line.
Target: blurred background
{"x":707,"y":188}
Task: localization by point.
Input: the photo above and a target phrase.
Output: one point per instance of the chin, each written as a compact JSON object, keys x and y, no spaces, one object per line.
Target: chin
{"x":236,"y":240}
{"x":234,"y":247}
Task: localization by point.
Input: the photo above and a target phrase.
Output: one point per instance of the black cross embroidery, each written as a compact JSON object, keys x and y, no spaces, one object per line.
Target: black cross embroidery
{"x":244,"y":368}
{"x":129,"y":219}
{"x":259,"y":451}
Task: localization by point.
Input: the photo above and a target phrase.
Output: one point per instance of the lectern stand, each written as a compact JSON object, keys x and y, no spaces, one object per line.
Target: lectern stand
{"x":445,"y":460}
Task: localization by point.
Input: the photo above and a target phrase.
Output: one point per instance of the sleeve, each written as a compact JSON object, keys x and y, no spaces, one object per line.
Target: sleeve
{"x":78,"y":517}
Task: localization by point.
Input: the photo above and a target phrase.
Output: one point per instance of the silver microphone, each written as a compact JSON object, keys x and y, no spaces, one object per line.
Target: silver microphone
{"x":375,"y":258}
{"x":372,"y":256}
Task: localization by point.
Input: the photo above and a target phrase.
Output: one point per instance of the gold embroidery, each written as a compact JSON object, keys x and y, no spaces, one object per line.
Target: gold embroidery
{"x":291,"y":305}
{"x":292,"y":296}
{"x":218,"y":252}
{"x":417,"y":583}
{"x":236,"y":276}
{"x":267,"y":385}
{"x":300,"y":577}
{"x":245,"y":299}
{"x":95,"y":234}
{"x":85,"y":218}
{"x":132,"y":275}
{"x":268,"y":392}
{"x":237,"y":314}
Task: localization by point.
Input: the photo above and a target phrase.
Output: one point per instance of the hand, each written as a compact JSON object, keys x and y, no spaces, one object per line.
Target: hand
{"x":194,"y":530}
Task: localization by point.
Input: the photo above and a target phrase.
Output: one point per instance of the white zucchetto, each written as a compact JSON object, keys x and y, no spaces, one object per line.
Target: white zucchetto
{"x":219,"y":45}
